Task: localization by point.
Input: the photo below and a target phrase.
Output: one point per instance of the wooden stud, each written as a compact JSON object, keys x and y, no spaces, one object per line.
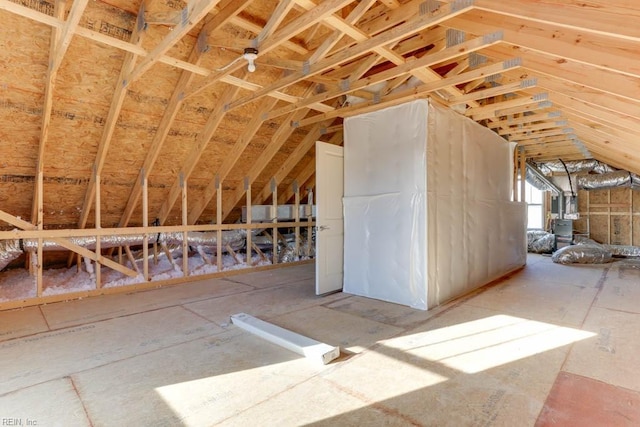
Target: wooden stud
{"x":274,"y":219}
{"x":98,"y":213}
{"x":609,"y":217}
{"x":218,"y":222}
{"x":233,"y":254}
{"x":515,"y":176}
{"x":185,"y":243}
{"x":132,"y":260}
{"x":145,"y":224}
{"x":255,"y":247}
{"x":155,"y":253}
{"x":523,"y":174}
{"x":296,"y":192}
{"x":588,"y":216}
{"x":247,"y":189}
{"x":167,"y":253}
{"x":631,"y":190}
{"x":309,"y":213}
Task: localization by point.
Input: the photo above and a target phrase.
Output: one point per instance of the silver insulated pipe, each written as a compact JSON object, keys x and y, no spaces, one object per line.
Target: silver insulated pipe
{"x":11,"y":249}
{"x":575,"y":166}
{"x":618,"y":179}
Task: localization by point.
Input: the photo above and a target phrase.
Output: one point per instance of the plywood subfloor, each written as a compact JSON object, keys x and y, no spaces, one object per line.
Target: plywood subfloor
{"x":523,"y":351}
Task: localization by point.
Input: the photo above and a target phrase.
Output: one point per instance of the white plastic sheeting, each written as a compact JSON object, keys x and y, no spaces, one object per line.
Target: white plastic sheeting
{"x":427,"y":210}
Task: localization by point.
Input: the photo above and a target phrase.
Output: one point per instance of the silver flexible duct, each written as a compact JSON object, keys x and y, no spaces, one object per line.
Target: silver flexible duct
{"x":575,"y":166}
{"x":623,"y":250}
{"x":540,"y":241}
{"x":616,"y":179}
{"x":536,"y":178}
{"x":582,"y":254}
{"x":11,"y":249}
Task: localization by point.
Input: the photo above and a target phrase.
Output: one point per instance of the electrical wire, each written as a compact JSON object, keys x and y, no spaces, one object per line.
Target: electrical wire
{"x":569,"y":177}
{"x":229,"y":64}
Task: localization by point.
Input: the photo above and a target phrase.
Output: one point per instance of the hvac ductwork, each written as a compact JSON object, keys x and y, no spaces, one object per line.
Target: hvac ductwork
{"x":575,"y":166}
{"x":536,"y":178}
{"x":618,"y":179}
{"x":11,"y":249}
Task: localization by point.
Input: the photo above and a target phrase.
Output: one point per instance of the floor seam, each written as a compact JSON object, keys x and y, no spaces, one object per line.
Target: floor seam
{"x":86,"y":413}
{"x":180,"y":304}
{"x":214,"y":334}
{"x":44,"y":317}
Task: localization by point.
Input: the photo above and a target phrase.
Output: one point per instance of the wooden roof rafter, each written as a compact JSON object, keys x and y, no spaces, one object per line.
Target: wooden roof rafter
{"x":595,"y":50}
{"x":418,"y":92}
{"x":396,"y":34}
{"x":61,"y":39}
{"x":279,"y":37}
{"x":117,"y":101}
{"x":231,"y":159}
{"x":529,"y":119}
{"x":401,"y":70}
{"x":195,"y":11}
{"x":229,"y":9}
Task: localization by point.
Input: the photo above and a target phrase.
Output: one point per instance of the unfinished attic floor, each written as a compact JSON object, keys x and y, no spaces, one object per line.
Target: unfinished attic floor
{"x":550,"y":346}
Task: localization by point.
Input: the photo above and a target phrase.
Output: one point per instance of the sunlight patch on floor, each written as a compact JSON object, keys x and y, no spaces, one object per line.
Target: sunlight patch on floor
{"x":486,"y":343}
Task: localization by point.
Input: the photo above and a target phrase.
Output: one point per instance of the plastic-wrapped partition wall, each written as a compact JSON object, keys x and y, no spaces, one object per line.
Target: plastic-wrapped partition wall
{"x":428,"y":215}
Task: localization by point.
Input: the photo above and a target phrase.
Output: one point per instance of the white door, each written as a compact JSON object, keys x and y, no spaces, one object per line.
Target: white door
{"x":329,"y":217}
